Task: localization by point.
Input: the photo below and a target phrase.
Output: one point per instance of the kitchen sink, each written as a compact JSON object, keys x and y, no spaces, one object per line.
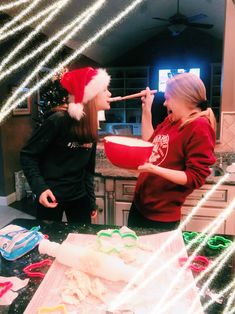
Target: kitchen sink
{"x":217,"y":171}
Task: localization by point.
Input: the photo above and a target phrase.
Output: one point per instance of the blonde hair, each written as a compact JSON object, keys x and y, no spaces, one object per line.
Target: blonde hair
{"x":190,"y":88}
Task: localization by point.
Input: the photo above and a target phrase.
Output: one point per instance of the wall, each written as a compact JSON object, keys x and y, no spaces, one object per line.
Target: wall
{"x":192,"y":47}
{"x":228,"y":83}
{"x":14,"y":133}
{"x":196,"y":47}
{"x":227,"y":135}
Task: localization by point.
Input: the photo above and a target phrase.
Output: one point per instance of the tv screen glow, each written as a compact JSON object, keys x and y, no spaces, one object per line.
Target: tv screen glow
{"x":165,"y":74}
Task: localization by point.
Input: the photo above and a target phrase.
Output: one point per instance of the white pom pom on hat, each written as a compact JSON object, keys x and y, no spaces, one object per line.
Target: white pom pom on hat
{"x":84,"y":84}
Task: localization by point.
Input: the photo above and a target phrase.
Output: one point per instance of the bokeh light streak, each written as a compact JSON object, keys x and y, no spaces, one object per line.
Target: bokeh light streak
{"x":65,"y":62}
{"x":28,"y":22}
{"x":43,"y":46}
{"x":219,"y":295}
{"x":124,"y":294}
{"x":220,"y":261}
{"x":213,"y":226}
{"x":33,"y":33}
{"x":217,"y":265}
{"x":19,"y":16}
{"x":86,"y":17}
{"x":223,"y":257}
{"x":12,"y":4}
{"x":8,"y":107}
{"x":230,"y":301}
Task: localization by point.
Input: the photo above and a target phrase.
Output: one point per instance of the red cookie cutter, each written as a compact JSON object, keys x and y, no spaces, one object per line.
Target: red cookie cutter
{"x":4,"y":287}
{"x":198,"y":264}
{"x":28,"y":269}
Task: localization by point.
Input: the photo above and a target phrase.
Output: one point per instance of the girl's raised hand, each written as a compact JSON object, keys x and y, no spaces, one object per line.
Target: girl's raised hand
{"x":147,"y":100}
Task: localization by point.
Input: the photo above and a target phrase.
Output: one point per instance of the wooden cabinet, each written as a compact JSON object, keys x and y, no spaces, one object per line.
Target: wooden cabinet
{"x":121,"y":213}
{"x":202,"y":219}
{"x":124,"y":192}
{"x":100,"y":218}
{"x":211,"y":209}
{"x":119,"y":196}
{"x":125,"y":81}
{"x":99,"y":192}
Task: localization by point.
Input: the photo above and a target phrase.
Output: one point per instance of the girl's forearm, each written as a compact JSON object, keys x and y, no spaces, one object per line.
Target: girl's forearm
{"x":176,"y":176}
{"x":147,"y":128}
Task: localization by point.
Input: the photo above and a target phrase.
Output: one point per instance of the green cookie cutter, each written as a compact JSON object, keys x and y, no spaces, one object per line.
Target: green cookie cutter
{"x":190,"y":236}
{"x":126,"y":239}
{"x":218,"y":243}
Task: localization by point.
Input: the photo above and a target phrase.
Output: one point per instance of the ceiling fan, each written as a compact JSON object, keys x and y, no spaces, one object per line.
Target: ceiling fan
{"x":178,"y":22}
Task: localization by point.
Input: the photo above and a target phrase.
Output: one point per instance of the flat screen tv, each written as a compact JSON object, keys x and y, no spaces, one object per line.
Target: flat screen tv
{"x":165,"y":74}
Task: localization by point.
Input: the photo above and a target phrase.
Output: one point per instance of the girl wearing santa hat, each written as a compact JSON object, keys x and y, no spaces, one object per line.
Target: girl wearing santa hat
{"x":59,"y":158}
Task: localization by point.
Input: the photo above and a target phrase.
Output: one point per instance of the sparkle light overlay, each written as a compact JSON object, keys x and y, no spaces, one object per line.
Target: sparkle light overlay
{"x":57,"y":42}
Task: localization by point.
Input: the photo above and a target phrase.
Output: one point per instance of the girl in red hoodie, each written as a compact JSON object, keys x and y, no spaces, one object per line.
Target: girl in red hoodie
{"x":183,"y":152}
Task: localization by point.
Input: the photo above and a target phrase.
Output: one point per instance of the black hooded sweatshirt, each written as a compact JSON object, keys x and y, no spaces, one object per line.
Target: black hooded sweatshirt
{"x":54,"y":159}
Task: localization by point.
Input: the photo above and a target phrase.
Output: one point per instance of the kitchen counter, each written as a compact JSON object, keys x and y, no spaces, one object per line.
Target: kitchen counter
{"x":58,"y":232}
{"x":104,"y":168}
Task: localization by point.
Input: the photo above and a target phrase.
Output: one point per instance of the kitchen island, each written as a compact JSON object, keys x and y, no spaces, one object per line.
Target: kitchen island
{"x":58,"y":232}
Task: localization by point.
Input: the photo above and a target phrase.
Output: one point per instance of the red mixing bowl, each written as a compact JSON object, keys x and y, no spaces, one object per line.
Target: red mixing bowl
{"x":127,"y":152}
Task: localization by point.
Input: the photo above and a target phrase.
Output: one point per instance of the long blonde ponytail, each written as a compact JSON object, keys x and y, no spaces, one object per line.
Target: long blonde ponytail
{"x":208,"y":113}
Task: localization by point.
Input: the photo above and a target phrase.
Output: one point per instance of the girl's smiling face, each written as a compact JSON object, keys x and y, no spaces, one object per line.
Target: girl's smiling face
{"x":102,"y":99}
{"x":174,"y":107}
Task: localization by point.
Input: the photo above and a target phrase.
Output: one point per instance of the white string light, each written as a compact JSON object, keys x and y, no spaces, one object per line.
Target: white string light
{"x":6,"y":109}
{"x":62,"y":32}
{"x":220,"y":262}
{"x":124,"y":294}
{"x":222,"y":259}
{"x":12,"y":4}
{"x":86,"y":16}
{"x":33,"y":33}
{"x":163,"y":304}
{"x":217,"y":265}
{"x":230,"y":301}
{"x":28,"y":22}
{"x":219,"y":295}
{"x":77,"y":52}
{"x":19,"y":16}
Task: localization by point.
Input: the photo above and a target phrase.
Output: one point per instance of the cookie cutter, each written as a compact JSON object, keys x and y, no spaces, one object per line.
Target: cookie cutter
{"x":4,"y":287}
{"x":198,"y":264}
{"x":28,"y":270}
{"x":58,"y":309}
{"x":218,"y":243}
{"x":129,"y":240}
{"x":190,"y":236}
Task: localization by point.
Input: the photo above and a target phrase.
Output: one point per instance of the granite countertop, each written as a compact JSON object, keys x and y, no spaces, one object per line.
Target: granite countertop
{"x":104,"y":168}
{"x":58,"y":231}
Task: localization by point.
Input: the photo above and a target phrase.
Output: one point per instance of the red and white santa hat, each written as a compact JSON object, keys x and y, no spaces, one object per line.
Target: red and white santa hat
{"x":84,"y":84}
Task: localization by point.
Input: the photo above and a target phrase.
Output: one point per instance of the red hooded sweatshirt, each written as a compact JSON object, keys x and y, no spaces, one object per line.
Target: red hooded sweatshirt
{"x":189,"y":149}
